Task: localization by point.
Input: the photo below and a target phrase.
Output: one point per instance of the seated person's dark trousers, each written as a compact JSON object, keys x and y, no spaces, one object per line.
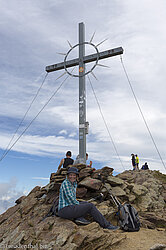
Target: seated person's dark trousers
{"x":76,"y":211}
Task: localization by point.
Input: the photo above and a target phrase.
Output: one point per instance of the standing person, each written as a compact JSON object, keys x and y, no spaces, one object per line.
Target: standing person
{"x":137,"y":162}
{"x":66,"y":161}
{"x":133,"y":161}
{"x":70,"y":208}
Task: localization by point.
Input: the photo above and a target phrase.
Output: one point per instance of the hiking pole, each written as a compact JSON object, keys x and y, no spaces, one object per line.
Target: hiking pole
{"x":115,"y":200}
{"x":99,"y":197}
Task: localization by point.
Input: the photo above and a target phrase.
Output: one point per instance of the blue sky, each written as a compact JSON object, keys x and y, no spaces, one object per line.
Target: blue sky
{"x":32,"y":33}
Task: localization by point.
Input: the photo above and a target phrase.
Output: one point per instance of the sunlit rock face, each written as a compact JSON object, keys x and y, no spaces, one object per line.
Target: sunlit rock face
{"x":23,"y":224}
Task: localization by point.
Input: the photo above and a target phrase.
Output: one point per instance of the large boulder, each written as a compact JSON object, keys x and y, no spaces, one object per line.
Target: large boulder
{"x":114,"y":181}
{"x":118,"y":191}
{"x":156,"y":219}
{"x":139,"y":190}
{"x":81,"y":192}
{"x":102,"y":173}
{"x":91,"y":183}
{"x":85,"y":172}
{"x":19,"y":200}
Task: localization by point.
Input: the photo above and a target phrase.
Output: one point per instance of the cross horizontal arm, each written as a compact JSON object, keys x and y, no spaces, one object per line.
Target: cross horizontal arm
{"x":87,"y":59}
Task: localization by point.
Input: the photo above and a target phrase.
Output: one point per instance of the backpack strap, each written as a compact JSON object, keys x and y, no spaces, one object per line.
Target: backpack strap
{"x":128,"y":209}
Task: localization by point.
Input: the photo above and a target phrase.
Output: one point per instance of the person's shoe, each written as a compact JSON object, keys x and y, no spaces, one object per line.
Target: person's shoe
{"x":82,"y":221}
{"x":111,"y":227}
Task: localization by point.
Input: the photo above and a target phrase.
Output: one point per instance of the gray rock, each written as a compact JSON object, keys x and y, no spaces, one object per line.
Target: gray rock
{"x":146,"y":203}
{"x":132,"y":198}
{"x":158,"y":247}
{"x":139,"y":190}
{"x":114,"y":181}
{"x":118,"y":191}
{"x":91,"y":183}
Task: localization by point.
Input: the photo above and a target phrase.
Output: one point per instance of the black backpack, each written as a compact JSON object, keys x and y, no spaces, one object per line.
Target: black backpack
{"x":128,"y":218}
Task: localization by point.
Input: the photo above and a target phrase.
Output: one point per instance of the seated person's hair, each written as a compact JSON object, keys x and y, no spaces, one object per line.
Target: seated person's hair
{"x":68,"y":153}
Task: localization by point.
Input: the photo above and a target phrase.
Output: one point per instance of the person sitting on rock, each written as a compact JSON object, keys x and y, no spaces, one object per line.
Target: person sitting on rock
{"x":77,"y":161}
{"x":145,"y":166}
{"x":66,"y":161}
{"x":90,"y":162}
{"x":70,"y":208}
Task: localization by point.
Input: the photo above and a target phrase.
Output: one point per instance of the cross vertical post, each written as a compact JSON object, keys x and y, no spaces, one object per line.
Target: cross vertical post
{"x":82,"y":95}
{"x":81,"y":62}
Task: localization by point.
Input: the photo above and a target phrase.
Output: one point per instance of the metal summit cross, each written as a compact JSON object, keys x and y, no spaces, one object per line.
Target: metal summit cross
{"x":81,"y":61}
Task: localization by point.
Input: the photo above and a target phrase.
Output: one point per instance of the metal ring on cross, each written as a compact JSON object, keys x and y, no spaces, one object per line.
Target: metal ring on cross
{"x":97,"y":59}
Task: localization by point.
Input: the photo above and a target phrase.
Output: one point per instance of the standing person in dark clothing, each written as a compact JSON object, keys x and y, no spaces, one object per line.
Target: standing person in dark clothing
{"x":71,"y":209}
{"x":66,"y":161}
{"x":133,"y":161}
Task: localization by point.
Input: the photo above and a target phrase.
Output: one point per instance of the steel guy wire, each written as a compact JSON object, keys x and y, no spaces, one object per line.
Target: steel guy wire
{"x":36,"y":115}
{"x":139,"y":107}
{"x":25,"y":115}
{"x":105,"y":121}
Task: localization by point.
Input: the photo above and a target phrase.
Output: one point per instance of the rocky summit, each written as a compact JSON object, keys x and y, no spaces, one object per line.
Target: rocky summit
{"x":25,"y":226}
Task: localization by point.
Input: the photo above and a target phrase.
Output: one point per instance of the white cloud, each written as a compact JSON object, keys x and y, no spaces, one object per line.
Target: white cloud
{"x":72,"y":134}
{"x":63,"y":132}
{"x":30,"y":40}
{"x":40,"y":178}
{"x":41,"y":145}
{"x":8,"y":194}
{"x":101,"y":151}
